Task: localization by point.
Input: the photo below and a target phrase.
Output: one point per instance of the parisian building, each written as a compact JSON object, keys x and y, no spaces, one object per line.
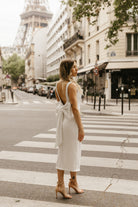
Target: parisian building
{"x":109,"y":70}
{"x":35,"y":60}
{"x":57,"y":34}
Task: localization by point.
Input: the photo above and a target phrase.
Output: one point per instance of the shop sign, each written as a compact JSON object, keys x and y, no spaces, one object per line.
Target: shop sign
{"x":133,"y":92}
{"x":96,"y":71}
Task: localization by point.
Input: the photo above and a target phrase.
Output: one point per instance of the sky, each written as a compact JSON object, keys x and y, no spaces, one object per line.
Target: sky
{"x":10,"y":11}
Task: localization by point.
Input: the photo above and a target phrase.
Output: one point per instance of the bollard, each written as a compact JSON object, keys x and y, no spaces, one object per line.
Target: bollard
{"x":116,"y":96}
{"x":99,"y":102}
{"x":94,"y":100}
{"x":104,"y":100}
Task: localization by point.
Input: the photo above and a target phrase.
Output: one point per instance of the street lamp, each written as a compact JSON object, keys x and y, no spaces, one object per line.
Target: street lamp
{"x":129,"y":98}
{"x":122,"y":93}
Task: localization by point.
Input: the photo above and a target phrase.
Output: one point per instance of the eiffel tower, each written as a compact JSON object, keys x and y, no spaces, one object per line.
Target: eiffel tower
{"x":36,"y":15}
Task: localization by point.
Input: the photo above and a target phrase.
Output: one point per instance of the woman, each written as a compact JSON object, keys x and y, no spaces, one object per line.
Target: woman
{"x":70,"y":131}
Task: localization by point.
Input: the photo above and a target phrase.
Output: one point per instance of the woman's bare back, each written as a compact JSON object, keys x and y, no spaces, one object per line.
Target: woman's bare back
{"x":61,"y":88}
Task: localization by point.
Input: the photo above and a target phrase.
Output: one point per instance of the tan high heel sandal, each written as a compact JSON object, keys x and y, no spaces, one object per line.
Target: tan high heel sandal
{"x":61,"y":189}
{"x":73,"y":184}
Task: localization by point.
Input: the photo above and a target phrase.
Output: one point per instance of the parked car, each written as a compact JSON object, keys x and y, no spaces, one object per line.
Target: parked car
{"x":43,"y":90}
{"x":51,"y":93}
{"x":36,"y":88}
{"x":30,"y":89}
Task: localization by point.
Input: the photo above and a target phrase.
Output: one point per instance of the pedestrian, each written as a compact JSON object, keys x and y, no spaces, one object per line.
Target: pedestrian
{"x":69,"y":133}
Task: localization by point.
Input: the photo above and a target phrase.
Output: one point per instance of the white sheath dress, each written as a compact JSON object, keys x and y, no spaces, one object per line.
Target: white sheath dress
{"x":69,"y":147}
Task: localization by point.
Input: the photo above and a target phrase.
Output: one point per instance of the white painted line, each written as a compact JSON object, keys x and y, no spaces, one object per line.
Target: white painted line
{"x":85,"y":147}
{"x":92,"y":138}
{"x":52,"y":130}
{"x":110,"y":127}
{"x":111,"y":139}
{"x":25,"y":102}
{"x":120,"y":186}
{"x":110,"y":118}
{"x":104,"y":131}
{"x":45,"y":136}
{"x":109,"y":123}
{"x":37,"y":102}
{"x":85,"y":161}
{"x":19,"y":202}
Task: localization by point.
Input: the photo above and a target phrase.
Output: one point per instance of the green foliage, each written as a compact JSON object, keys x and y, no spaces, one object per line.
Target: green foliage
{"x":52,"y":78}
{"x":124,"y":10}
{"x":14,"y":66}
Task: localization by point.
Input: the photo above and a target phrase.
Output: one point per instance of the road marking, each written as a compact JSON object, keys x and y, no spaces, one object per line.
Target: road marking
{"x":25,"y":102}
{"x":84,"y":147}
{"x":85,"y":161}
{"x":110,"y":118}
{"x":109,"y":123}
{"x":92,"y":138}
{"x":120,"y":186}
{"x":104,"y":131}
{"x":45,"y":136}
{"x":111,"y":127}
{"x":37,"y":102}
{"x":19,"y":202}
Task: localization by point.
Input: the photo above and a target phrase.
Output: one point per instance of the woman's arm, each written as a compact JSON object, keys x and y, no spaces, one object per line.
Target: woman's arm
{"x":73,"y":100}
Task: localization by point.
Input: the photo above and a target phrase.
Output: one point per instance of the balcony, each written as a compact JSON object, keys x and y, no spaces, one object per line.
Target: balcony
{"x":72,"y":40}
{"x":131,"y":53}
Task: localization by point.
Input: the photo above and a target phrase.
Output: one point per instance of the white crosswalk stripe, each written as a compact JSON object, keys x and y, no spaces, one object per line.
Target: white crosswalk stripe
{"x":17,"y":202}
{"x":91,"y":138}
{"x":86,"y":182}
{"x":85,"y":147}
{"x":120,"y":137}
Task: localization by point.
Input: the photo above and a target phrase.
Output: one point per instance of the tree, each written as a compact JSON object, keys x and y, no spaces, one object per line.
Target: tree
{"x":124,"y":10}
{"x":14,"y":66}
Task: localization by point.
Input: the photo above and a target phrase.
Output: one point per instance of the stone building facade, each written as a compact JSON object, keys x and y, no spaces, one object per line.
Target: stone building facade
{"x":108,"y":69}
{"x":57,"y":33}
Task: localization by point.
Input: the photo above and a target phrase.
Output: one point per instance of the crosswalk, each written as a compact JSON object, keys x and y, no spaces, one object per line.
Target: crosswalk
{"x":109,"y":166}
{"x":36,"y":102}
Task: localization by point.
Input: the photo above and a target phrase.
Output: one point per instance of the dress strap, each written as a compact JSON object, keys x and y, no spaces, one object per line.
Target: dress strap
{"x":67,"y":97}
{"x":57,"y":93}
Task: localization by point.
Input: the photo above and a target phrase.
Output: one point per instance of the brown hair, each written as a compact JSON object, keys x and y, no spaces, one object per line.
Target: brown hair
{"x":65,"y":68}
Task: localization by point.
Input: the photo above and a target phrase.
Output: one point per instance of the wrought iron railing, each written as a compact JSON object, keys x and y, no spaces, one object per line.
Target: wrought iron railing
{"x":71,"y":40}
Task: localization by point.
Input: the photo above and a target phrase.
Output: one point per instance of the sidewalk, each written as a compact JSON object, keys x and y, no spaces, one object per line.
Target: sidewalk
{"x":112,"y":108}
{"x":8,"y":99}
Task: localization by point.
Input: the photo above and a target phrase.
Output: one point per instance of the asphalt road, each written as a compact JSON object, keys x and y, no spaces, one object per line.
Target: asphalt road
{"x":27,"y":157}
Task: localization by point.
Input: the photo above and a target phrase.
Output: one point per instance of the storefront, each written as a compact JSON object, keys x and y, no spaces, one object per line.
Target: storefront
{"x":125,"y":75}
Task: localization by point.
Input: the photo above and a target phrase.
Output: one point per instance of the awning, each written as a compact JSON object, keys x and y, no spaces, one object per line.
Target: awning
{"x":122,"y":65}
{"x":86,"y":69}
{"x":91,"y":67}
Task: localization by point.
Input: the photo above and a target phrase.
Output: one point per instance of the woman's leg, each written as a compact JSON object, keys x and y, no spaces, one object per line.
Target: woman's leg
{"x":73,"y":183}
{"x":60,"y":184}
{"x":60,"y":174}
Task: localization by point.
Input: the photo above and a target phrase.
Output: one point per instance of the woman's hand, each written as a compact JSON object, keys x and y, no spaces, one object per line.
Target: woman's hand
{"x":81,"y":135}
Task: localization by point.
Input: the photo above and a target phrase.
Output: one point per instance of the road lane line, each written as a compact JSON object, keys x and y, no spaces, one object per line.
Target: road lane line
{"x":19,"y":202}
{"x":85,"y":161}
{"x":91,"y":138}
{"x":104,"y":131}
{"x":84,"y":147}
{"x":120,"y":186}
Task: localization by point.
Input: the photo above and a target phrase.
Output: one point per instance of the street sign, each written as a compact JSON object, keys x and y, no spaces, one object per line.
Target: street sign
{"x":96,"y":71}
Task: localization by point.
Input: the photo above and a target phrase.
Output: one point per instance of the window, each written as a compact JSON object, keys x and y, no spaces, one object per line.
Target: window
{"x":89,"y":49}
{"x":97,"y":50}
{"x":132,"y":44}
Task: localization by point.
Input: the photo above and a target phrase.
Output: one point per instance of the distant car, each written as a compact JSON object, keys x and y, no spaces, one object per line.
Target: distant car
{"x":30,"y":89}
{"x":14,"y":88}
{"x":43,"y":90}
{"x":36,"y":88}
{"x":51,"y":92}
